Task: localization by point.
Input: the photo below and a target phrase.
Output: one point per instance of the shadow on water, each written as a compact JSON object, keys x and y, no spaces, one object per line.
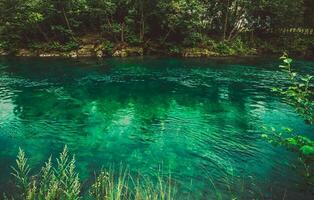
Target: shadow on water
{"x":199,"y":119}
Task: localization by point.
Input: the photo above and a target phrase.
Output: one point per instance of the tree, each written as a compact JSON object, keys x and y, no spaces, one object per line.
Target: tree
{"x":186,"y":22}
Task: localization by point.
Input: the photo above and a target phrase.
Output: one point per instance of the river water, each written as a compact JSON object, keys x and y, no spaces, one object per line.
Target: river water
{"x":198,"y":119}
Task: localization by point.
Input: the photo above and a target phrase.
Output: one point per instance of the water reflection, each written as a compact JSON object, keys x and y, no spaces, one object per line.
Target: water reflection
{"x":198,"y":119}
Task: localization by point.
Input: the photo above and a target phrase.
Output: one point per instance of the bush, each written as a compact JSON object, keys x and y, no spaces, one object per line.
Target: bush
{"x":107,"y":47}
{"x":234,"y":47}
{"x":3,"y":45}
{"x":69,"y":46}
{"x":296,"y":44}
{"x":299,"y":95}
{"x":55,"y":46}
{"x":174,"y":49}
{"x":199,"y":40}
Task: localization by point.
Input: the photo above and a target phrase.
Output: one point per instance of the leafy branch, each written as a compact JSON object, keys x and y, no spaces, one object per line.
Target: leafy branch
{"x":298,"y":93}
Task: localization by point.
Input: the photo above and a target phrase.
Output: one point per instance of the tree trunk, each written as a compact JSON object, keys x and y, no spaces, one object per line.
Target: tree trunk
{"x":67,"y":23}
{"x":110,"y":25}
{"x":142,"y":28}
{"x":66,"y":19}
{"x":43,"y":33}
{"x":226,"y":21}
{"x":122,"y":32}
{"x":231,"y":33}
{"x":252,"y":36}
{"x":165,"y":38}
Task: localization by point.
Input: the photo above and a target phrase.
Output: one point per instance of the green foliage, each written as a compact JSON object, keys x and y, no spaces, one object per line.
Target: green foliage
{"x":179,"y":22}
{"x":62,"y":182}
{"x":299,"y":95}
{"x":48,"y":185}
{"x":299,"y":92}
{"x":196,"y":39}
{"x":71,"y":45}
{"x":307,"y":150}
{"x":51,"y":183}
{"x":225,"y":49}
{"x":21,"y":172}
{"x":295,"y":142}
{"x":303,"y":145}
{"x":106,"y":47}
{"x":235,"y":47}
{"x":106,"y":187}
{"x":174,"y":49}
{"x":3,"y":45}
{"x":55,"y":46}
{"x":67,"y":177}
{"x":297,"y":44}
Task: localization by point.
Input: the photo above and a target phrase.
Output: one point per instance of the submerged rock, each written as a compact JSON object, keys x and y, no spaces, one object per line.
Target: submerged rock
{"x":99,"y":53}
{"x":198,"y":52}
{"x":3,"y":52}
{"x":49,"y":55}
{"x":120,"y":53}
{"x":86,"y":50}
{"x":25,"y":52}
{"x":72,"y":54}
{"x":135,"y":51}
{"x":128,"y":51}
{"x":96,"y":48}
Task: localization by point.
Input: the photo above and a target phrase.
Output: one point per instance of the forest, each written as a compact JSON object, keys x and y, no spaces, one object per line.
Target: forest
{"x":158,"y":27}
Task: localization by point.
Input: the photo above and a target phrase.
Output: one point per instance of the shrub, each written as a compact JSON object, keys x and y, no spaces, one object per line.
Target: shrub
{"x":107,"y":47}
{"x":296,"y":44}
{"x":299,"y":95}
{"x":55,"y":46}
{"x":174,"y":49}
{"x":233,"y":47}
{"x":3,"y":45}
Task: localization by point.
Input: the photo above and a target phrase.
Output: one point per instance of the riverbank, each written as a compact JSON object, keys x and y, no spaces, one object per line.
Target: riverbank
{"x":92,"y":45}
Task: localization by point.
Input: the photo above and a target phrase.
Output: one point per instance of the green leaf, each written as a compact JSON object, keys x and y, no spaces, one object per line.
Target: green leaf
{"x":307,"y":150}
{"x":288,"y":130}
{"x":305,"y":140}
{"x":305,"y":79}
{"x":285,"y":70}
{"x":287,"y":60}
{"x":301,"y":85}
{"x":292,"y":141}
{"x":283,"y":56}
{"x":283,"y":66}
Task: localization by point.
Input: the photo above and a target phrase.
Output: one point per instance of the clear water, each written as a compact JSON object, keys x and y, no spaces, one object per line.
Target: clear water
{"x":199,"y":119}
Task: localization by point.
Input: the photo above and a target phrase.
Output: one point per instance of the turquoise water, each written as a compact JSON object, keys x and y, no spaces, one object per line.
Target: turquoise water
{"x":198,"y":119}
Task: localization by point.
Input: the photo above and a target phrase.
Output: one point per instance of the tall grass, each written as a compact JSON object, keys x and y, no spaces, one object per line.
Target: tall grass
{"x":61,"y":182}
